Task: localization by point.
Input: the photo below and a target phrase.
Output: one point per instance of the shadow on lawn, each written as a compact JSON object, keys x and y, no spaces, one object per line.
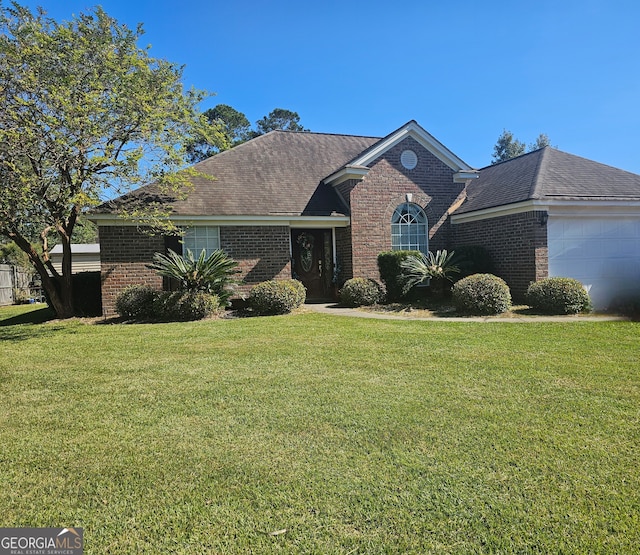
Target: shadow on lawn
{"x":33,"y":317}
{"x":18,"y":328}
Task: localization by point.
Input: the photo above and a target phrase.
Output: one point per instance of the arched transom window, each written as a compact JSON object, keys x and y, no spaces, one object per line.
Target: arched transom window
{"x":409,"y":230}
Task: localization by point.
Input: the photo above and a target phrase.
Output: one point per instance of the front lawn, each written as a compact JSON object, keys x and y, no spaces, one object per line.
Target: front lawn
{"x":320,"y":434}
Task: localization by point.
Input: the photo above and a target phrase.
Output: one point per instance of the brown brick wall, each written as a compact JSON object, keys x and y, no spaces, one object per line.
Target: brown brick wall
{"x":124,"y":254}
{"x":517,"y":243}
{"x":262,"y":251}
{"x":344,"y":254}
{"x":375,"y":198}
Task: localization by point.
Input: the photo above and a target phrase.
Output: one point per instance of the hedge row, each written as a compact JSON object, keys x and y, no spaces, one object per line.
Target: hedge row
{"x":142,"y":303}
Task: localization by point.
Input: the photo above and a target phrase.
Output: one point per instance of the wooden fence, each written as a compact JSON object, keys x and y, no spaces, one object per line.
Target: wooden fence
{"x":13,"y":280}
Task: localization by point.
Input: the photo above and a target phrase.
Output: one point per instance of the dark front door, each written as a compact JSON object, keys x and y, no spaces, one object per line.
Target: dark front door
{"x":313,"y":261}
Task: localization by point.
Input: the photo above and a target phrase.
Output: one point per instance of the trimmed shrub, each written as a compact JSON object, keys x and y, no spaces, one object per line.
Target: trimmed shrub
{"x":277,"y":296}
{"x":137,"y":302}
{"x":142,"y":303}
{"x":473,"y":259}
{"x":558,"y":295}
{"x":481,"y":294}
{"x":301,"y":292}
{"x":185,"y":306}
{"x":390,"y":268}
{"x":361,"y":292}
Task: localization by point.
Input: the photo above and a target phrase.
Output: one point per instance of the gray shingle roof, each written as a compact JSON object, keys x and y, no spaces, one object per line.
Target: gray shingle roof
{"x":276,"y":173}
{"x":549,"y":174}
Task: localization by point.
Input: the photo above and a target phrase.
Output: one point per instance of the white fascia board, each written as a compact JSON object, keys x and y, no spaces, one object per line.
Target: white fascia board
{"x":555,"y":208}
{"x":346,"y":173}
{"x":428,"y":141}
{"x":497,"y":211}
{"x":328,"y":222}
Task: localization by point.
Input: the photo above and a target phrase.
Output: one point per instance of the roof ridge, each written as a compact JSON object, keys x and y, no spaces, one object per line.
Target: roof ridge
{"x":321,"y":133}
{"x":536,"y":190}
{"x":234,"y":149}
{"x":509,"y":159}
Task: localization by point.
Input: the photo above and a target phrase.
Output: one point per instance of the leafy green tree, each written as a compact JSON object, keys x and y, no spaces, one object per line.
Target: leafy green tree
{"x":11,"y":254}
{"x":541,"y":141}
{"x":86,"y":114}
{"x":507,"y":147}
{"x":279,"y":118}
{"x":227,"y":128}
{"x":235,"y":124}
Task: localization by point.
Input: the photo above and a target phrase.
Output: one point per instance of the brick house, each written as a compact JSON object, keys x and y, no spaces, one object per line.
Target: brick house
{"x":320,"y":208}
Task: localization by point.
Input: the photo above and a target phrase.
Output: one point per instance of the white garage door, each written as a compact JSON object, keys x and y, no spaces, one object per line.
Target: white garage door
{"x":601,"y":252}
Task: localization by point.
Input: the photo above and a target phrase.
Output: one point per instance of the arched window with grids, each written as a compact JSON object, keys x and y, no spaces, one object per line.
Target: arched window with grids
{"x":409,"y":229}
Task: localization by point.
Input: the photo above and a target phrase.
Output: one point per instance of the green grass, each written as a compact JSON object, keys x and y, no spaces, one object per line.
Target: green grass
{"x":354,"y":435}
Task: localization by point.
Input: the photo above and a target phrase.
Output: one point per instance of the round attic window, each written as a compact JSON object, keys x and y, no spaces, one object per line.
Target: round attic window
{"x":409,"y":159}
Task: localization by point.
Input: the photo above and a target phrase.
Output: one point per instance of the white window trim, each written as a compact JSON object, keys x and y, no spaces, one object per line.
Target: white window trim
{"x":402,"y":246}
{"x":197,"y":250}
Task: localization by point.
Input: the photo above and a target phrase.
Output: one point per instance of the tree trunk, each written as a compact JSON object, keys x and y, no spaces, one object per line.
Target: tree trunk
{"x":62,"y":301}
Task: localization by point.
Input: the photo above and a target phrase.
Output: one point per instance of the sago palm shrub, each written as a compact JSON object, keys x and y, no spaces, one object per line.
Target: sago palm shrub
{"x":420,"y":268}
{"x":213,"y":274}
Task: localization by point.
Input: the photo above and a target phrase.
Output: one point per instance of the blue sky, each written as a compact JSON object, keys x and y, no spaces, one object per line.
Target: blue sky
{"x":463,"y":69}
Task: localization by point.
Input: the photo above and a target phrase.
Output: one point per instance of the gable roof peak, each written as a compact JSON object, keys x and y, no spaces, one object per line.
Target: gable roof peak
{"x":412,"y":129}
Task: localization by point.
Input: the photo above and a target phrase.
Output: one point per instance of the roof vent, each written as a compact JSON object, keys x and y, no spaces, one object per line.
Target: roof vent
{"x":409,"y":159}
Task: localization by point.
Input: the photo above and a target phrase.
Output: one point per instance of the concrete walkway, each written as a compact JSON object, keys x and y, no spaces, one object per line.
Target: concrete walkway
{"x":335,"y":310}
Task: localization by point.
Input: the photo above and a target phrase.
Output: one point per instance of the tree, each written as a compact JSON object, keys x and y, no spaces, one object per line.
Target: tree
{"x":227,"y":128}
{"x":279,"y":118}
{"x":85,"y":114}
{"x":11,"y":254}
{"x":540,"y":142}
{"x":235,"y":124}
{"x":508,"y":147}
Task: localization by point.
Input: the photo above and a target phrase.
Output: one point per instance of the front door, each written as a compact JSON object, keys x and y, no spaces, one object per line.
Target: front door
{"x":313,"y":261}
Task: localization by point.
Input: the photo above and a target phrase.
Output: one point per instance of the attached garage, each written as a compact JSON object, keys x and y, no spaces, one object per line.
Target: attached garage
{"x":550,"y":213}
{"x":601,"y":251}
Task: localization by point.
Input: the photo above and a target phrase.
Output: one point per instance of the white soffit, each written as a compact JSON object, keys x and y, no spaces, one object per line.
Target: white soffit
{"x":344,"y":174}
{"x":337,"y":220}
